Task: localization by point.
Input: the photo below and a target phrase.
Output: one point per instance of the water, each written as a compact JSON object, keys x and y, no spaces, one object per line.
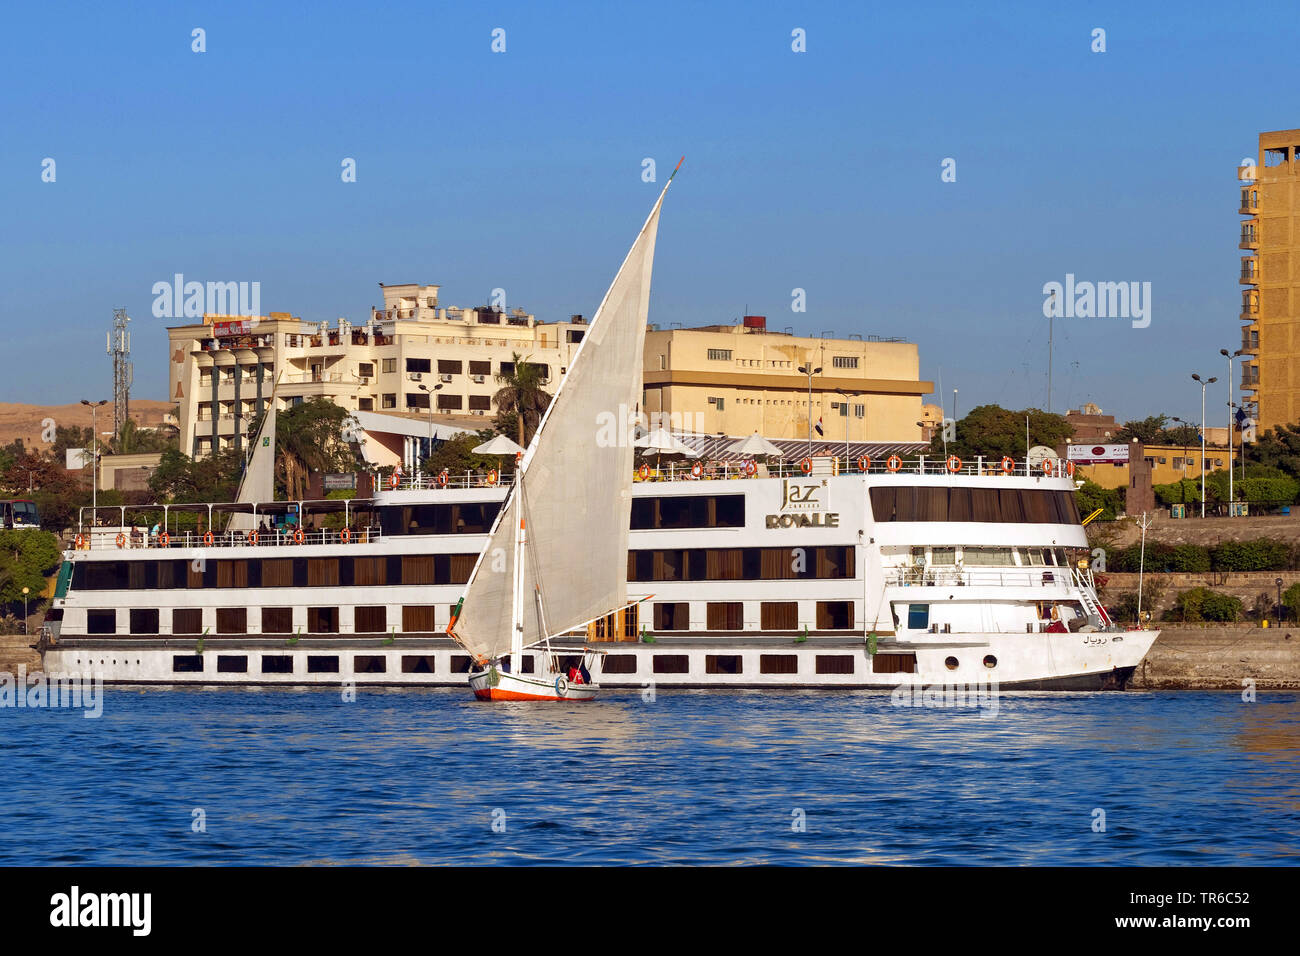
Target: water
{"x":286,"y":776}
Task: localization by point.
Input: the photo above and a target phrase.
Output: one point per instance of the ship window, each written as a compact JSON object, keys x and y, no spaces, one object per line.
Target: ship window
{"x":527,"y":663}
{"x":894,"y":664}
{"x":722,"y":664}
{"x":834,"y":615}
{"x":101,"y":622}
{"x":322,"y":620}
{"x":950,"y":663}
{"x":232,"y":663}
{"x":232,"y":620}
{"x":1000,"y":505}
{"x":418,"y":663}
{"x":835,"y":664}
{"x":277,"y":620}
{"x":144,"y":620}
{"x":232,"y":574}
{"x":277,"y":573}
{"x":323,"y":572}
{"x":369,"y":572}
{"x":943,"y":556}
{"x":918,"y":617}
{"x":461,"y":664}
{"x":987,"y":557}
{"x":187,"y":620}
{"x":779,"y":615}
{"x":671,"y":664}
{"x":277,"y":664}
{"x":370,"y":620}
{"x":688,"y":511}
{"x":1035,"y":556}
{"x":369,"y":664}
{"x":726,"y":615}
{"x":417,"y":618}
{"x":417,"y":569}
{"x":778,"y":663}
{"x":187,"y":663}
{"x":672,"y":616}
{"x":618,"y":664}
{"x":320,"y":664}
{"x":990,"y":661}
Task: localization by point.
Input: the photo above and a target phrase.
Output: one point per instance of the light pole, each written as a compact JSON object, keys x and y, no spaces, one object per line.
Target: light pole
{"x":810,"y":372}
{"x":425,"y":388}
{"x":1232,"y":511}
{"x":94,"y":460}
{"x":25,"y":593}
{"x":1204,"y":382}
{"x":1278,"y":582}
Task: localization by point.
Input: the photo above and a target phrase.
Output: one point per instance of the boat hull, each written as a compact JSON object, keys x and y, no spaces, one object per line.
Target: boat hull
{"x":493,"y":684}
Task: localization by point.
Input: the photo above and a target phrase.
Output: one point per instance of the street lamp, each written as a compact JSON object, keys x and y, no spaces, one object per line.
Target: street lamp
{"x":25,"y":593}
{"x":94,"y":460}
{"x":425,"y":388}
{"x":1232,"y":513}
{"x":1204,"y":382}
{"x":1278,"y":582}
{"x":810,"y":372}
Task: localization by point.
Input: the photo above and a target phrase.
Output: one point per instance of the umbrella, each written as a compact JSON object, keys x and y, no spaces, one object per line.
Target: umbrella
{"x":500,"y":445}
{"x":662,"y":442}
{"x":755,"y":444}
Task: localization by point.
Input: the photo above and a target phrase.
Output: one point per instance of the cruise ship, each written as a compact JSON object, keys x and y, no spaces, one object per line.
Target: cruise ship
{"x":818,"y":573}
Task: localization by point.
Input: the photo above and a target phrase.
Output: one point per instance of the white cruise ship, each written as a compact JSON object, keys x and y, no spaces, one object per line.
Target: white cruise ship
{"x":810,"y":575}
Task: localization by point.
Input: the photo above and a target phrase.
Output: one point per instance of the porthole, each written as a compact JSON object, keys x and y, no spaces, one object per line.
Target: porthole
{"x":990,"y":661}
{"x":951,"y":663}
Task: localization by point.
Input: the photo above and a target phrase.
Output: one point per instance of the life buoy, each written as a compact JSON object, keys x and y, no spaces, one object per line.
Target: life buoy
{"x":751,"y":467}
{"x":1047,"y":467}
{"x":644,"y":471}
{"x":252,"y":537}
{"x":864,"y":463}
{"x":805,"y":465}
{"x":121,"y":540}
{"x":166,"y":539}
{"x":894,"y":463}
{"x":299,"y":537}
{"x":208,"y":539}
{"x":81,"y":542}
{"x":442,"y":479}
{"x":493,"y":477}
{"x":954,"y":464}
{"x":345,"y":535}
{"x":394,"y":480}
{"x":1069,"y":468}
{"x":697,"y":469}
{"x":1008,"y":465}
{"x":561,"y":685}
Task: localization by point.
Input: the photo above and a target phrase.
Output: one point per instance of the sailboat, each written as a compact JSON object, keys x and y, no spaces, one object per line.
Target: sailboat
{"x":556,"y":557}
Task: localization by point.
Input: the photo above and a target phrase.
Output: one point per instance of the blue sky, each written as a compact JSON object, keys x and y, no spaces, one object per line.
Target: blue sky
{"x":522,"y":170}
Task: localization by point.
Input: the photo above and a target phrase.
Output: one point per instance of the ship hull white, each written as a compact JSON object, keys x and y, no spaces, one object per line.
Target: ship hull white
{"x":493,"y":684}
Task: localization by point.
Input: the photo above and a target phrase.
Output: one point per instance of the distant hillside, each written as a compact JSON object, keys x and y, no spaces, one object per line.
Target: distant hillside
{"x":25,"y":421}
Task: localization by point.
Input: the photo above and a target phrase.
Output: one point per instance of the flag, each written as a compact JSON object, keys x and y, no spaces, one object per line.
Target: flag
{"x":1241,"y":416}
{"x":818,"y":426}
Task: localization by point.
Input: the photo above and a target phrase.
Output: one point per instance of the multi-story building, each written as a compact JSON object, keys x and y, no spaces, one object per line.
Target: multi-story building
{"x":411,"y":357}
{"x":739,"y":379}
{"x":1270,"y":279}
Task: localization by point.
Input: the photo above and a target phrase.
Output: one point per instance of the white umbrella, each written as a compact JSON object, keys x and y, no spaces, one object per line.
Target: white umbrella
{"x":500,"y":445}
{"x":755,"y":444}
{"x":662,"y":442}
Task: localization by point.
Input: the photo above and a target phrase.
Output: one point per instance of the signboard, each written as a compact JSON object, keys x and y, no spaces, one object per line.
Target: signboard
{"x":804,"y":504}
{"x":223,"y":329}
{"x":1098,"y":454}
{"x":338,"y":482}
{"x":75,"y":458}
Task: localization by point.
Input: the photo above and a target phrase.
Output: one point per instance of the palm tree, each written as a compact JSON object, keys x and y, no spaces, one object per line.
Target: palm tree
{"x":309,"y":437}
{"x":522,"y":396}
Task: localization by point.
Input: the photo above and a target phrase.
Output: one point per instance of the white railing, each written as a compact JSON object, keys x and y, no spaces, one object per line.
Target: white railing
{"x":127,"y":539}
{"x":1045,"y":576}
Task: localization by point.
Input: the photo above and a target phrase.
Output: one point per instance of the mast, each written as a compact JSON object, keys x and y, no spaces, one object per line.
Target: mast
{"x":517,"y":594}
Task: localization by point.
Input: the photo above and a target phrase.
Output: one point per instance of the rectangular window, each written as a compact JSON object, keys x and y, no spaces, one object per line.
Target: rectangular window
{"x":369,"y":572}
{"x":480,"y":367}
{"x":144,"y":620}
{"x":835,"y":664}
{"x":722,"y":664}
{"x":187,"y":663}
{"x":894,"y":664}
{"x":389,"y":364}
{"x":323,"y":572}
{"x":101,"y":622}
{"x":779,"y":615}
{"x":449,"y":366}
{"x":366,"y":369}
{"x":480,"y":402}
{"x":187,"y":620}
{"x":319,"y":664}
{"x":844,"y":361}
{"x":417,"y":619}
{"x":417,"y":569}
{"x":232,"y":620}
{"x":232,"y":663}
{"x":418,"y":365}
{"x":277,"y":573}
{"x":389,"y":400}
{"x":369,"y":664}
{"x":720,"y":355}
{"x":449,"y":401}
{"x":918,"y":617}
{"x":418,"y":663}
{"x":277,"y":664}
{"x":778,"y":663}
{"x":365,"y":404}
{"x":322,"y":620}
{"x":726,"y":615}
{"x":370,"y":620}
{"x":461,"y":664}
{"x":618,"y":664}
{"x":672,"y":617}
{"x":277,"y":620}
{"x":671,"y":664}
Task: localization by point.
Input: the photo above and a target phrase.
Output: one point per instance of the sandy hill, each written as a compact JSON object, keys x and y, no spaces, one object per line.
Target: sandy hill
{"x":27,"y":421}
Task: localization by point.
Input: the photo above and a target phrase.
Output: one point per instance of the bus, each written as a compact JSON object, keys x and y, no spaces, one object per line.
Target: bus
{"x":20,"y":513}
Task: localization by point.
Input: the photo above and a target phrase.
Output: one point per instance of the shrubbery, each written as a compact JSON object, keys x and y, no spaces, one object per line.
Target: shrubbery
{"x":1261,"y":554}
{"x":1202,"y":604}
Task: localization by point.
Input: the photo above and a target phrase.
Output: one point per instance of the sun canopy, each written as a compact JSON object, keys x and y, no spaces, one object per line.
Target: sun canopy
{"x":500,"y":445}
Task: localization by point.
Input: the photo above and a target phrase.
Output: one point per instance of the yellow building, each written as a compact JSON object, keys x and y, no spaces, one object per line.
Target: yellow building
{"x":1270,"y":279}
{"x":1169,"y":463}
{"x":740,"y":379}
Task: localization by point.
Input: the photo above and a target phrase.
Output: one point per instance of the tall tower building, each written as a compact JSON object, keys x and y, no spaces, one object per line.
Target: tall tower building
{"x":1270,"y":279}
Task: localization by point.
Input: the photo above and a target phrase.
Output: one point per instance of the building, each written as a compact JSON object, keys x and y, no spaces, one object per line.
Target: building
{"x":1166,"y":463}
{"x":740,"y":379}
{"x":1270,"y":279}
{"x":1090,"y":425}
{"x":411,"y":358}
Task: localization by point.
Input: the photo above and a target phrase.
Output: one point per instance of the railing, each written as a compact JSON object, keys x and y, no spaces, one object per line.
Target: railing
{"x":126,"y":539}
{"x":1044,"y":576}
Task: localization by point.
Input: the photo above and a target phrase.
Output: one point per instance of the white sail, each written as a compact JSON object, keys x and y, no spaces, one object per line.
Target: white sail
{"x":575,"y":494}
{"x":257,"y":486}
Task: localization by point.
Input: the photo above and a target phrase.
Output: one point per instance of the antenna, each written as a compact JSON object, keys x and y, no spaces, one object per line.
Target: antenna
{"x":119,"y":346}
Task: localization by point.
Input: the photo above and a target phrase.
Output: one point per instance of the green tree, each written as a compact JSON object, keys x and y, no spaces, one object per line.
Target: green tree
{"x":994,"y":432}
{"x":133,"y":440}
{"x":1279,"y":448}
{"x":456,"y":454}
{"x":180,"y":478}
{"x":521,"y":393}
{"x":1146,"y":430}
{"x":1202,"y":604}
{"x":1092,"y":496}
{"x":26,"y":559}
{"x":310,"y":437}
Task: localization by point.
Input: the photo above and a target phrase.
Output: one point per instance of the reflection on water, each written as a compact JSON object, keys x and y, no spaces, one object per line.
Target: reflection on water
{"x":419,"y":776}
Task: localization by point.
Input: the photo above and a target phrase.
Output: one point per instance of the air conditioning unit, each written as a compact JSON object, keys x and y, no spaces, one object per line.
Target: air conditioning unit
{"x":446,"y":378}
{"x":478,"y":378}
{"x":478,"y":411}
{"x":415,"y":376}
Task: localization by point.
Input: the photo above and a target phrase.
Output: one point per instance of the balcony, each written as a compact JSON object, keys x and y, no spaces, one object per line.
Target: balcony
{"x":1249,"y":270}
{"x":1250,"y":377}
{"x":1250,"y":339}
{"x":1248,"y":174}
{"x":1249,"y":202}
{"x":1249,"y":306}
{"x":1249,"y":235}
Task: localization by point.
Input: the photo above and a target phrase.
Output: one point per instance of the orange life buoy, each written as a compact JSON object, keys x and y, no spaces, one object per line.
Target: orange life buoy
{"x":1008,"y":465}
{"x":394,"y":480}
{"x":81,"y":542}
{"x":805,"y":465}
{"x":751,"y":467}
{"x":954,"y":464}
{"x":1047,"y":467}
{"x":864,"y":463}
{"x":299,"y":537}
{"x":697,"y":469}
{"x":121,"y":540}
{"x":346,"y":535}
{"x":442,"y":478}
{"x":166,"y":539}
{"x":252,"y":536}
{"x":208,"y":538}
{"x":644,"y":471}
{"x":894,"y":463}
{"x":1069,"y":468}
{"x":493,"y":477}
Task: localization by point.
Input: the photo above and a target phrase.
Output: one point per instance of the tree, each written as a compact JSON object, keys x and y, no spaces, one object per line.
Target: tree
{"x":132,"y":440}
{"x":995,"y":432}
{"x":456,"y":454}
{"x":1278,"y":447}
{"x":26,"y":559}
{"x":309,"y":437}
{"x":1092,"y":496}
{"x":521,"y":393}
{"x":1146,"y":430}
{"x":180,"y":478}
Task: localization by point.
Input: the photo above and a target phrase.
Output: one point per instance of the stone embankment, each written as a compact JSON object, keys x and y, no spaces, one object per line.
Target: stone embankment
{"x":1202,"y":658}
